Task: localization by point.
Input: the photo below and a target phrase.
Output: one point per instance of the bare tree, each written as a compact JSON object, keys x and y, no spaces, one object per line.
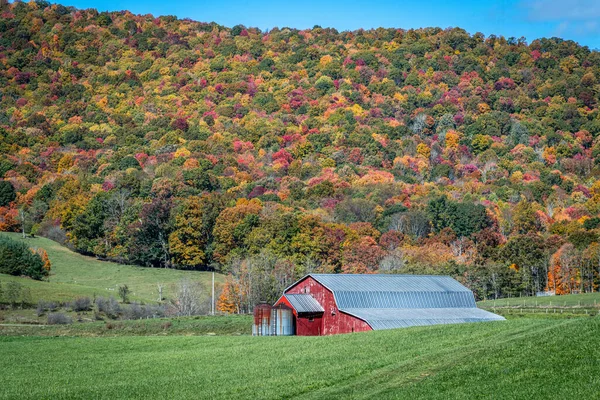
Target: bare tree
{"x":414,"y":223}
{"x":463,"y":249}
{"x":22,"y":218}
{"x":188,"y":300}
{"x":393,"y":262}
{"x":418,"y":124}
{"x":569,"y":261}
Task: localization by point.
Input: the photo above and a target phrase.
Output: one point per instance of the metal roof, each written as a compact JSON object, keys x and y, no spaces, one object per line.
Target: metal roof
{"x":396,"y":291}
{"x":400,"y":318}
{"x":304,"y":303}
{"x":388,"y":301}
{"x":389,"y":283}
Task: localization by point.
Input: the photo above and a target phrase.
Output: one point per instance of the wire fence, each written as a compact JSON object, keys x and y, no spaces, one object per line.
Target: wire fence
{"x":544,"y":310}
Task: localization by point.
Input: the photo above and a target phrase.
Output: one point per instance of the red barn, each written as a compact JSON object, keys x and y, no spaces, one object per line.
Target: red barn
{"x":327,"y":304}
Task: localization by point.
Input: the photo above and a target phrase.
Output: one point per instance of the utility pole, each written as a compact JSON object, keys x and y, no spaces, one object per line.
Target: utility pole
{"x":160,"y":290}
{"x":212,"y":303}
{"x":22,"y":215}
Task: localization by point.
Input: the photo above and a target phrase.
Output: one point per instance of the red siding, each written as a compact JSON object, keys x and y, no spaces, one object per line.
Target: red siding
{"x":309,"y":326}
{"x":334,"y":321}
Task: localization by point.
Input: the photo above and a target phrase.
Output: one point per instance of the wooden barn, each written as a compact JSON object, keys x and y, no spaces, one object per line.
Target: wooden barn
{"x":327,"y":304}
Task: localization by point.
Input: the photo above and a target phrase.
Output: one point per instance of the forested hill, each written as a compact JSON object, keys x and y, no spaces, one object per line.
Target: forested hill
{"x":167,"y":142}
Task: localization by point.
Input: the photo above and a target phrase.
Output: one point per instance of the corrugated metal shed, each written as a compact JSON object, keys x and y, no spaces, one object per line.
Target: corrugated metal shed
{"x":304,"y":303}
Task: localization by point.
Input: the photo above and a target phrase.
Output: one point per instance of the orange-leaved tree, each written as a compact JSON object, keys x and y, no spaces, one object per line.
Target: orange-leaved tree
{"x":563,"y":273}
{"x":44,"y":256}
{"x":230,"y":299}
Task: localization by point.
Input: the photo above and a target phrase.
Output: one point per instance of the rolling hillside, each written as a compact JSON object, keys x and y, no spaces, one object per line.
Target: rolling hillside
{"x":517,"y":359}
{"x":171,"y":142}
{"x":75,"y":275}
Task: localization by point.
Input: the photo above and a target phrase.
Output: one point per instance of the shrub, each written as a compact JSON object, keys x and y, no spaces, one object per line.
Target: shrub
{"x":82,"y":304}
{"x":44,"y":306}
{"x":59,"y":319}
{"x":25,"y":297}
{"x":137,"y":311}
{"x":134,"y":311}
{"x":124,"y":293}
{"x":50,"y":230}
{"x":13,"y":292}
{"x":108,"y":306}
{"x":113,"y":325}
{"x":40,"y":309}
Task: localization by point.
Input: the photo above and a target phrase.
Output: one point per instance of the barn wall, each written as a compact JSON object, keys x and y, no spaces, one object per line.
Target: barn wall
{"x":304,"y":326}
{"x":334,"y":321}
{"x":309,"y":327}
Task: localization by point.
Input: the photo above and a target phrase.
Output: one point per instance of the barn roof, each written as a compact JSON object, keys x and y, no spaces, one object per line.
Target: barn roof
{"x":393,"y":301}
{"x":304,"y":303}
{"x":390,"y":283}
{"x":401,"y":317}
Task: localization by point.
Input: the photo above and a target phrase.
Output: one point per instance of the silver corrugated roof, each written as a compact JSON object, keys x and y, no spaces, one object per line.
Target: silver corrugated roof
{"x":399,"y":318}
{"x":304,"y":303}
{"x":396,"y":291}
{"x":388,"y":301}
{"x":389,"y":283}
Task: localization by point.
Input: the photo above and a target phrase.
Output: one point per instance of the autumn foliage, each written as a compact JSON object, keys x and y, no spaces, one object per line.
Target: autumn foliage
{"x":272,"y":154}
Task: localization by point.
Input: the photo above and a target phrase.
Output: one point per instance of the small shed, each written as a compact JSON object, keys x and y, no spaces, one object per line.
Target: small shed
{"x":326,"y":304}
{"x":273,"y":321}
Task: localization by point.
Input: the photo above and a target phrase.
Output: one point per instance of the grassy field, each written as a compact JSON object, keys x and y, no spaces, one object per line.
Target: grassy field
{"x":200,"y":325}
{"x":74,"y":275}
{"x":516,"y":359}
{"x":589,"y":300}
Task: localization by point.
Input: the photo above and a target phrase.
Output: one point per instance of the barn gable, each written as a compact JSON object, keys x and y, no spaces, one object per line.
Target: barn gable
{"x":388,"y":301}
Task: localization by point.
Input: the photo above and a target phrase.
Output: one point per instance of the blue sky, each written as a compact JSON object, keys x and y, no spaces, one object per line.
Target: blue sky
{"x":577,"y":20}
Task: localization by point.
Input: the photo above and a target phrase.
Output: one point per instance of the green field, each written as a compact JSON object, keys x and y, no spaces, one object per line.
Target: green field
{"x":589,"y":300}
{"x":517,"y":359}
{"x":74,"y":275}
{"x":199,"y":325}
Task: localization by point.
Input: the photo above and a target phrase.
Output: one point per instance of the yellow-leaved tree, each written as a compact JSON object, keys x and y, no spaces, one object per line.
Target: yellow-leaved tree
{"x":187,"y":242}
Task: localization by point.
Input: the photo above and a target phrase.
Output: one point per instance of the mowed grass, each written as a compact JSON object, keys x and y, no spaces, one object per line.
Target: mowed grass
{"x":589,"y":300}
{"x":516,"y":359}
{"x":74,"y":275}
